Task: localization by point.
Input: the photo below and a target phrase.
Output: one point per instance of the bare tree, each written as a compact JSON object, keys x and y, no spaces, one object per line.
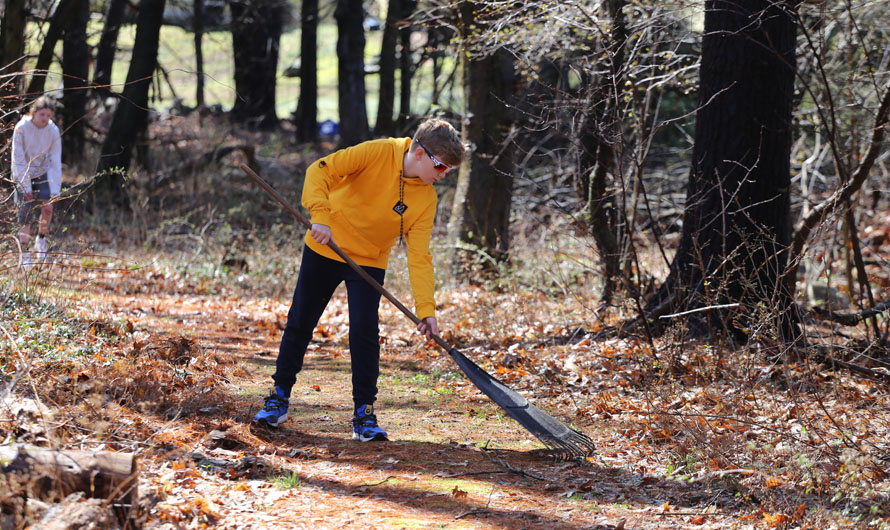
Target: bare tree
{"x":131,"y":117}
{"x":307,"y":105}
{"x":737,"y":224}
{"x":75,"y":76}
{"x":351,"y":72}
{"x":256,"y":36}
{"x":481,"y":209}
{"x":114,"y":16}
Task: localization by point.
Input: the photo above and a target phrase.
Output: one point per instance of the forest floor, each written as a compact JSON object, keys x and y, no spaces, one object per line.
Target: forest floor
{"x":131,"y":355}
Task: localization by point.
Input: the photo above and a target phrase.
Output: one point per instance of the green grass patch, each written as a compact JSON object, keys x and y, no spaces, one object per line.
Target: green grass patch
{"x":286,"y":481}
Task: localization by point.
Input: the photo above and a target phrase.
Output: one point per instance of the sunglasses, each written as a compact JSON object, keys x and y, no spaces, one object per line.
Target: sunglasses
{"x":437,"y":164}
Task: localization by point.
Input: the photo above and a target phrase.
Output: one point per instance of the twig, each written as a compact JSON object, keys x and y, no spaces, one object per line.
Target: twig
{"x":851,"y":319}
{"x":469,"y":473}
{"x":700,"y":309}
{"x":508,"y":466}
{"x":378,"y":483}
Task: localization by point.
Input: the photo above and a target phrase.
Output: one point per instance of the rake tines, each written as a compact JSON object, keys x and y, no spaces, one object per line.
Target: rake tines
{"x":578,"y":446}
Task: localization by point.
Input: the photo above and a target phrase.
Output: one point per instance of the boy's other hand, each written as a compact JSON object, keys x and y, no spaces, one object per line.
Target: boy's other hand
{"x":428,"y":327}
{"x":321,"y":233}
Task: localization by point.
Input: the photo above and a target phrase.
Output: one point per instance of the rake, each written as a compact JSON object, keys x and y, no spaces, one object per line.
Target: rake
{"x":563,"y":443}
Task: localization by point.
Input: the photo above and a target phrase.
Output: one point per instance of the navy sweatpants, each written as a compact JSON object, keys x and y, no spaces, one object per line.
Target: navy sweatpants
{"x":318,"y":278}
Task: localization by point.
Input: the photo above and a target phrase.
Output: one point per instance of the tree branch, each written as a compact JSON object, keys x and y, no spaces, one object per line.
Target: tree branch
{"x":843,"y":194}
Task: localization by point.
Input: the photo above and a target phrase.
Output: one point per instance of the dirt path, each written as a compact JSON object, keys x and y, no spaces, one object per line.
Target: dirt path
{"x":454,"y":459}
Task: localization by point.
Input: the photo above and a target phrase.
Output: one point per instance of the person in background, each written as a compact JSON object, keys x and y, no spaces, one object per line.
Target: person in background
{"x":364,"y":198}
{"x":36,"y":173}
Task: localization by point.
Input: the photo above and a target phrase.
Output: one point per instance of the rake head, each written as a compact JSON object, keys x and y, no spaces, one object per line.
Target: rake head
{"x":562,"y":442}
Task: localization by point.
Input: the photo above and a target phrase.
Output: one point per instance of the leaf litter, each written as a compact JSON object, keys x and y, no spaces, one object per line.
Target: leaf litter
{"x":173,"y":370}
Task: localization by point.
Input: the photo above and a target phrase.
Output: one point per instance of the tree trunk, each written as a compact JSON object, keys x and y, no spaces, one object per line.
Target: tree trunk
{"x":75,"y":76}
{"x":198,"y":26}
{"x":384,"y":126}
{"x":57,"y":24}
{"x":131,"y":116}
{"x":600,"y":137}
{"x":405,"y":66}
{"x":12,"y":57}
{"x":307,"y":106}
{"x":256,"y":36}
{"x":351,"y":72}
{"x":12,"y":46}
{"x":108,"y":46}
{"x":737,"y":225}
{"x":481,"y":209}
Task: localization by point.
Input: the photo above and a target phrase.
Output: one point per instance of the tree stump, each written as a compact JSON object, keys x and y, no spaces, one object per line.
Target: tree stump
{"x":51,"y":473}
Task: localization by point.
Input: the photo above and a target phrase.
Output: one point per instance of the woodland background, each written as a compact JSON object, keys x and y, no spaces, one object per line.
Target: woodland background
{"x":670,"y":231}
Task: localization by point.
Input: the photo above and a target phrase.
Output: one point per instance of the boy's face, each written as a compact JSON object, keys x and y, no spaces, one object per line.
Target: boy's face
{"x":40,"y":118}
{"x":432,"y":169}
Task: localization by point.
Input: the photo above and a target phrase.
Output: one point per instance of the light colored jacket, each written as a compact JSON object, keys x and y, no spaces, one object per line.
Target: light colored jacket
{"x":36,"y":152}
{"x":354,"y":190}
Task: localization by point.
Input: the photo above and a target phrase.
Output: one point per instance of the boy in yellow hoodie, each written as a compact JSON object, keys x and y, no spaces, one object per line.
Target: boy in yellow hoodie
{"x":364,"y":198}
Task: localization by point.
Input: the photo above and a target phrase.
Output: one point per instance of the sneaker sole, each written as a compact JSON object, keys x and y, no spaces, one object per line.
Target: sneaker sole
{"x":376,"y":438}
{"x":269,"y":423}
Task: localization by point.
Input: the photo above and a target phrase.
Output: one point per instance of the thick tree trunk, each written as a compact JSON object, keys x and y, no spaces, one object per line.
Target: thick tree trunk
{"x":131,"y":116}
{"x":481,"y":209}
{"x":737,"y":224}
{"x":384,"y":126}
{"x":12,"y":56}
{"x":75,"y":76}
{"x":351,"y":72}
{"x":256,"y":36}
{"x":12,"y":46}
{"x":307,"y":106}
{"x":107,"y":46}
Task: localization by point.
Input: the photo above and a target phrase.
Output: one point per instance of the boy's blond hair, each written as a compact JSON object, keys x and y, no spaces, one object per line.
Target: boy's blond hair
{"x":43,"y":102}
{"x":442,"y":140}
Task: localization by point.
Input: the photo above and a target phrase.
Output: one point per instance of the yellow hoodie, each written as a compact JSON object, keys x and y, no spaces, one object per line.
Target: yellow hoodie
{"x":354,"y":190}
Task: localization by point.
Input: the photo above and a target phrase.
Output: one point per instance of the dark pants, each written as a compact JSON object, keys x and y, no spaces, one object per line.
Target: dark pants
{"x":27,"y":209}
{"x":319,"y":276}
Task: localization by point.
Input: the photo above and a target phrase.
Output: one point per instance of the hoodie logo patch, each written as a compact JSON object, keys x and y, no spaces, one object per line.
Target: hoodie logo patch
{"x":400,"y":208}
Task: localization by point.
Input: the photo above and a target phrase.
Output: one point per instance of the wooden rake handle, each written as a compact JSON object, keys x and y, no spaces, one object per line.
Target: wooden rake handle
{"x":349,"y":261}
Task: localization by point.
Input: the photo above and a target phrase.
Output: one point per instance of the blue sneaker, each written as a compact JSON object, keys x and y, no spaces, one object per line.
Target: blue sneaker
{"x":364,"y":425}
{"x":275,"y":410}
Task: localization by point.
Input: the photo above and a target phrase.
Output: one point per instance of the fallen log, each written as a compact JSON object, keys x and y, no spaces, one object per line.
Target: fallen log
{"x":52,"y":473}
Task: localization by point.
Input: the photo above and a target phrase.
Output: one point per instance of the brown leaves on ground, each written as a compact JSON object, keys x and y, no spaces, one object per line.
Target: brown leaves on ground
{"x":688,"y":435}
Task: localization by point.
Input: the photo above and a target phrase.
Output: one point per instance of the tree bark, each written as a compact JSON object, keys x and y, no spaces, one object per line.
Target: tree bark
{"x":351,"y":72}
{"x":307,"y":105}
{"x":107,"y":46}
{"x":481,"y":209}
{"x":75,"y":76}
{"x":131,"y":117}
{"x":737,"y":223}
{"x":384,"y":126}
{"x":256,"y":36}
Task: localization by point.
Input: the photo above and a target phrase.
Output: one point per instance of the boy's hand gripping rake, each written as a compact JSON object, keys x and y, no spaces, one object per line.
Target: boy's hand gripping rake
{"x":563,"y":442}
